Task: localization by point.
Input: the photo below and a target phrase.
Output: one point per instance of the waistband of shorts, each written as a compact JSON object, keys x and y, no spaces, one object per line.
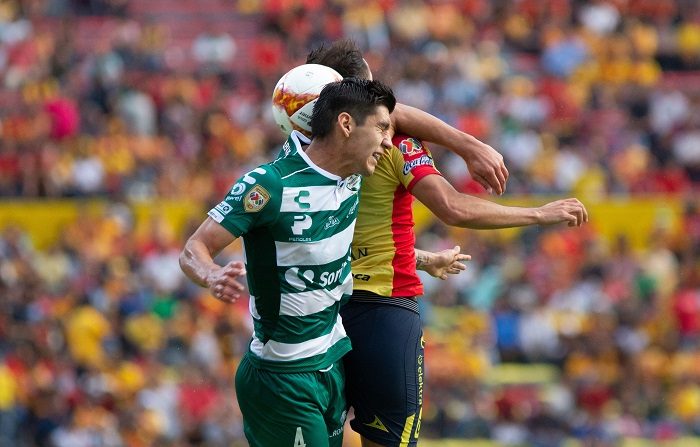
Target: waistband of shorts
{"x":365,"y":296}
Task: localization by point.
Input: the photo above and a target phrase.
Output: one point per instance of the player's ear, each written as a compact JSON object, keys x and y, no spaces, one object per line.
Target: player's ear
{"x":345,"y":123}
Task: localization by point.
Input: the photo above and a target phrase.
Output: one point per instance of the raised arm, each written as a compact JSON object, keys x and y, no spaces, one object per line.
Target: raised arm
{"x":197,"y":261}
{"x":463,"y":210}
{"x":485,"y":164}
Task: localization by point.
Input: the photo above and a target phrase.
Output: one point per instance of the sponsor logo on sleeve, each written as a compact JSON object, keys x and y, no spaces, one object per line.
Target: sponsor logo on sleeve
{"x":256,"y":199}
{"x":219,"y":212}
{"x":224,"y":208}
{"x":216,"y":215}
{"x":410,"y":146}
{"x":423,"y":160}
{"x":237,"y":189}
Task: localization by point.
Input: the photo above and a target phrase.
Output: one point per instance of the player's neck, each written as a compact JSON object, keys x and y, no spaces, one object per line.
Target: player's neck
{"x":328,"y":155}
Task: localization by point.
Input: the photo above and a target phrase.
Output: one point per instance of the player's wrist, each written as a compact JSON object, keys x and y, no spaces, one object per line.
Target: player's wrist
{"x":423,"y":260}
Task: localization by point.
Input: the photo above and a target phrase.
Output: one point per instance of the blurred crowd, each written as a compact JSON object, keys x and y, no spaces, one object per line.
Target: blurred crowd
{"x":594,"y":97}
{"x":619,"y":331}
{"x":103,"y":341}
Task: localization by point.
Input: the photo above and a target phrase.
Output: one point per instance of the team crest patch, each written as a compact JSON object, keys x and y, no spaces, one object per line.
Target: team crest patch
{"x":353,"y":182}
{"x":256,"y":199}
{"x":410,"y":146}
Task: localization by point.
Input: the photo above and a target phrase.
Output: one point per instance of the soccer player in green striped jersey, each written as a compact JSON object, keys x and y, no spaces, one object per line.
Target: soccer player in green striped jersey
{"x":297,"y":216}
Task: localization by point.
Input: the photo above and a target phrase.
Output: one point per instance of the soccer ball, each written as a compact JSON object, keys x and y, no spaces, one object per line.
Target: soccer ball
{"x":296,"y":93}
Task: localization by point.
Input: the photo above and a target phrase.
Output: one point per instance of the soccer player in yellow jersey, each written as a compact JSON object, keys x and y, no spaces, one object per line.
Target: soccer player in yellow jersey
{"x":384,"y":370}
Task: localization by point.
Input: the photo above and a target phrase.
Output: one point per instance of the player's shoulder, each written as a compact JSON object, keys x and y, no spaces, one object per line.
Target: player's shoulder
{"x":256,"y":188}
{"x":292,"y":145}
{"x":412,"y":155}
{"x":409,"y":147}
{"x":267,"y":174}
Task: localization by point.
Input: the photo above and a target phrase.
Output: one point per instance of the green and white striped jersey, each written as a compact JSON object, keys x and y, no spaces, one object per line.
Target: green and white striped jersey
{"x":297,"y":223}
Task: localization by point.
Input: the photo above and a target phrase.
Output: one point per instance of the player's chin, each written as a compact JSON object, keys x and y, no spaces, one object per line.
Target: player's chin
{"x":371,"y":166}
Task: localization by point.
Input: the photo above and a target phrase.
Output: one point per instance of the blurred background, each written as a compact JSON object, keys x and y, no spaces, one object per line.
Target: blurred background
{"x":123,"y":121}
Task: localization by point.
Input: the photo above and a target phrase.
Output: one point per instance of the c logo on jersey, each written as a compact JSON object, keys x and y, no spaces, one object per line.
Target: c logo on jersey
{"x":256,"y":199}
{"x":303,"y":194}
{"x":410,"y":146}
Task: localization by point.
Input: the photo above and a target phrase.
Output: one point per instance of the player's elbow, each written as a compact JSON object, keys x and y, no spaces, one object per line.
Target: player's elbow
{"x":186,"y":256}
{"x":452,"y":214}
{"x":458,"y":218}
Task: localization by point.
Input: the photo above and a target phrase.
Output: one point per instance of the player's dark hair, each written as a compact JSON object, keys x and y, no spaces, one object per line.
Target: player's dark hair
{"x":343,"y":56}
{"x":358,"y":97}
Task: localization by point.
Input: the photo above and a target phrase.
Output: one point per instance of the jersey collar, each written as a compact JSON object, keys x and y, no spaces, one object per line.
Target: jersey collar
{"x":299,"y":139}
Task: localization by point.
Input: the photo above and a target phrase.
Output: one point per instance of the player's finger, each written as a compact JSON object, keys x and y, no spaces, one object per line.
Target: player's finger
{"x":461,"y":257}
{"x":505,"y":173}
{"x":482,"y":181}
{"x":229,"y":298}
{"x":234,"y":272}
{"x":230,"y":281}
{"x":457,"y":266}
{"x":494,"y":183}
{"x":502,"y":176}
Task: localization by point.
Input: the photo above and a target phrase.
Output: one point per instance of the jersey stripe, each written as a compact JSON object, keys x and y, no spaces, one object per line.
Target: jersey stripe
{"x":313,"y":301}
{"x":404,"y":281}
{"x":284,"y":352}
{"x":309,"y":199}
{"x":317,"y":252}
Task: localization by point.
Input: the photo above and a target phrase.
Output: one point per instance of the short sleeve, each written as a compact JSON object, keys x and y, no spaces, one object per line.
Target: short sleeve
{"x":417,"y":160}
{"x":253,"y":201}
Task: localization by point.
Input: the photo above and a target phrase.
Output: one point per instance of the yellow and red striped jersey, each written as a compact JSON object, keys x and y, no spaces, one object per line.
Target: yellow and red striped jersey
{"x":383,"y":257}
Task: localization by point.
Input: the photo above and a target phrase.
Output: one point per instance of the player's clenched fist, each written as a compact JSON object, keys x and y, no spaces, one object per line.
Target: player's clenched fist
{"x":569,"y":210}
{"x":223,"y":283}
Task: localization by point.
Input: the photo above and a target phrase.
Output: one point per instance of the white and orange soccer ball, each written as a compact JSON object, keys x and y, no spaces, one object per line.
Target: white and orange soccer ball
{"x":296,"y":93}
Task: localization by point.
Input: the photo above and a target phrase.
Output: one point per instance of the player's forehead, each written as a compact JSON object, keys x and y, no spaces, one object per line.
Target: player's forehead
{"x":379,"y":117}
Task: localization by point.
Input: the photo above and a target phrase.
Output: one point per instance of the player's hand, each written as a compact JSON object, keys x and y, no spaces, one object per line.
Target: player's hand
{"x":486,"y":167}
{"x":223,"y":283}
{"x":445,"y":262}
{"x":569,"y":210}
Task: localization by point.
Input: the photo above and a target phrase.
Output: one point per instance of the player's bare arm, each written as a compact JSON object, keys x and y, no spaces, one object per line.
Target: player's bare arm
{"x":197,"y":261}
{"x":443,"y":263}
{"x":485,"y":164}
{"x":466,"y":211}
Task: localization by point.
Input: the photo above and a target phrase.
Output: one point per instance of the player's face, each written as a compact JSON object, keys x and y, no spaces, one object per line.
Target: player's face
{"x":371,"y":139}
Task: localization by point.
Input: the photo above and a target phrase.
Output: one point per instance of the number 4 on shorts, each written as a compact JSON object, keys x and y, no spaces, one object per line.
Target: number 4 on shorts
{"x":299,"y":439}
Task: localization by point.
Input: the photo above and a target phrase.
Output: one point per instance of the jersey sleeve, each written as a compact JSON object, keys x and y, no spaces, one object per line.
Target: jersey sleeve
{"x":417,"y":160}
{"x":253,"y":201}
